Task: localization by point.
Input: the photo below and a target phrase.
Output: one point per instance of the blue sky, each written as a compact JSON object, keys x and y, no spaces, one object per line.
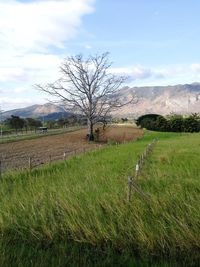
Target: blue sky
{"x":155,"y":42}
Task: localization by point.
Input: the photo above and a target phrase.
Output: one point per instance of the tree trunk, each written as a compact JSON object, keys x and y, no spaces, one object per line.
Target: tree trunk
{"x":90,"y":131}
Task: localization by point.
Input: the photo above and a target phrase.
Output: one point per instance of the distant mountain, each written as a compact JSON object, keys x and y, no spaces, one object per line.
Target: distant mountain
{"x":179,"y":99}
{"x":46,"y":112}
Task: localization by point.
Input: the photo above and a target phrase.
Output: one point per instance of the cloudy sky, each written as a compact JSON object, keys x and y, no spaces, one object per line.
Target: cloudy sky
{"x":155,"y":42}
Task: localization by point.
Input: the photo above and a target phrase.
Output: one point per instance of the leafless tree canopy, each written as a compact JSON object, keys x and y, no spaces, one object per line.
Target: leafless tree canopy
{"x":87,"y":87}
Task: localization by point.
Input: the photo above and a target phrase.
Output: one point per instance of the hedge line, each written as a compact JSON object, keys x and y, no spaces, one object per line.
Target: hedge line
{"x":173,"y":123}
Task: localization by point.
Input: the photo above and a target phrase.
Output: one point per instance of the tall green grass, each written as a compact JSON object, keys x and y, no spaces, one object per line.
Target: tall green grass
{"x":78,"y":210}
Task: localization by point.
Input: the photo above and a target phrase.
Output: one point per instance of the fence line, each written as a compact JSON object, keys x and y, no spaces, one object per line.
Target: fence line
{"x":138,"y":169}
{"x":29,"y":162}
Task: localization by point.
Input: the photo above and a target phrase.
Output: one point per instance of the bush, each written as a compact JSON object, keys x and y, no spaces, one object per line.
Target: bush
{"x":153,"y":122}
{"x":174,"y":123}
{"x":191,"y":125}
{"x":162,"y":124}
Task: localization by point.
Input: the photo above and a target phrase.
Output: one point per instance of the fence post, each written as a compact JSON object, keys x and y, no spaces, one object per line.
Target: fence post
{"x":142,"y":158}
{"x":129,"y":188}
{"x":64,"y":155}
{"x":30,"y":163}
{"x":137,"y":169}
{"x":50,"y":159}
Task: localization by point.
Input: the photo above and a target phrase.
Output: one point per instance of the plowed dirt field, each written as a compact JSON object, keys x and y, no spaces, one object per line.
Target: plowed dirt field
{"x":17,"y":155}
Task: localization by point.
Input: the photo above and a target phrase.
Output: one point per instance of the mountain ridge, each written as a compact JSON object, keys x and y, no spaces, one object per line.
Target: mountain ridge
{"x":180,"y":99}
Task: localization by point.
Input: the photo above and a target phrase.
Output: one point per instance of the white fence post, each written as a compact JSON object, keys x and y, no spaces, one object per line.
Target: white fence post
{"x":137,"y":169}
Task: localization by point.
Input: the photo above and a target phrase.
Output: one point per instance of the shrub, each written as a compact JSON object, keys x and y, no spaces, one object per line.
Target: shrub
{"x":152,"y":122}
{"x":191,"y":125}
{"x":174,"y":123}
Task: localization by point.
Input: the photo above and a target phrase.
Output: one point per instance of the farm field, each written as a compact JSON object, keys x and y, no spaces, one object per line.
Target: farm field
{"x":76,"y":213}
{"x":16,"y":154}
{"x":13,"y":137}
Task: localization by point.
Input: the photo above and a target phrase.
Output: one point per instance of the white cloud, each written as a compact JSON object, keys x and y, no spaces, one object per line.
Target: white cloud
{"x":19,"y":90}
{"x":160,"y":75}
{"x":37,"y":25}
{"x":29,"y":31}
{"x":11,"y":103}
{"x":195,"y":67}
{"x":134,"y":73}
{"x":32,"y":37}
{"x":11,"y":74}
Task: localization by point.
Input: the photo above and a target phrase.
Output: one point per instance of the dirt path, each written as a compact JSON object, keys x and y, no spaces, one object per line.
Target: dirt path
{"x":42,"y":150}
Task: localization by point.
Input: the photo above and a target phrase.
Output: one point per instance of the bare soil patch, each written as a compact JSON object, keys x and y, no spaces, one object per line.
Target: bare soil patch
{"x":45,"y":149}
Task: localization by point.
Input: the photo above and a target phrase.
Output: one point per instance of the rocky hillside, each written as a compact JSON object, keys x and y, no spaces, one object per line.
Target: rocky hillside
{"x":36,"y":111}
{"x":182,"y":99}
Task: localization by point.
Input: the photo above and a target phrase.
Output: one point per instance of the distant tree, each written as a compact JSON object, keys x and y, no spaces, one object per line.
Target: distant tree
{"x":50,"y":124}
{"x":162,"y":124}
{"x":15,"y":122}
{"x":124,"y":119}
{"x":173,"y":123}
{"x":148,"y":121}
{"x":87,"y":87}
{"x":33,"y":123}
{"x":176,"y":123}
{"x":61,"y":122}
{"x":191,"y":124}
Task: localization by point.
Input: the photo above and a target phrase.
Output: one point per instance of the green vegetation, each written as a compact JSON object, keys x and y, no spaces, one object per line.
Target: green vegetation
{"x":75,"y":212}
{"x":173,"y":123}
{"x":17,"y":123}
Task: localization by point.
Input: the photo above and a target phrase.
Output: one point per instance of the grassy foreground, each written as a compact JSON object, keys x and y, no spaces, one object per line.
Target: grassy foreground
{"x":75,"y":213}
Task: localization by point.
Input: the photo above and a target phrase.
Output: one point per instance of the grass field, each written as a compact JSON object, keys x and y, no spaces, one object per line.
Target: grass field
{"x":75,"y":212}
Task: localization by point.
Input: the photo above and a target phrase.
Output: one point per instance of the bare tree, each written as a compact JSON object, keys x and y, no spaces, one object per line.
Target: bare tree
{"x":87,"y":87}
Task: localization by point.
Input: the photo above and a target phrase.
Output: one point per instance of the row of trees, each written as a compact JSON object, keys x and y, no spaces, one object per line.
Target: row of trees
{"x":173,"y":123}
{"x":17,"y":123}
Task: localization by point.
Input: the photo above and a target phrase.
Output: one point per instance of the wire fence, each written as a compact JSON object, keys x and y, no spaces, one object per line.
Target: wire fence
{"x":132,"y":181}
{"x":29,"y":162}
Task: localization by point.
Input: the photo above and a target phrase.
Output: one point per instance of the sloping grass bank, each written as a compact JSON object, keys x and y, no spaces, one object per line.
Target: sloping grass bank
{"x":75,"y":213}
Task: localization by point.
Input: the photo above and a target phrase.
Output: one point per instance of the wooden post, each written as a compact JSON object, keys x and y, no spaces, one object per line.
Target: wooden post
{"x":129,"y":188}
{"x":49,"y":159}
{"x":30,"y":163}
{"x":142,"y":158}
{"x":64,"y":155}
